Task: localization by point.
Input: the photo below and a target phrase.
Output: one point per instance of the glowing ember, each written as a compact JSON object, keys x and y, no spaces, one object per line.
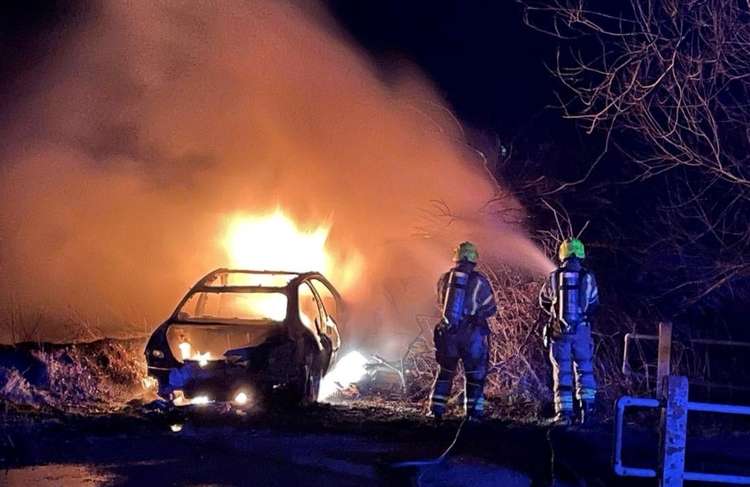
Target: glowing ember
{"x":200,"y":400}
{"x":186,"y":352}
{"x":179,"y":399}
{"x":149,"y":383}
{"x":348,"y":370}
{"x":241,"y":399}
{"x":202,"y":358}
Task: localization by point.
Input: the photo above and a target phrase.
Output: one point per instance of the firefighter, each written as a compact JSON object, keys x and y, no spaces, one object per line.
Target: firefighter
{"x":570,"y":297}
{"x":467,"y":301}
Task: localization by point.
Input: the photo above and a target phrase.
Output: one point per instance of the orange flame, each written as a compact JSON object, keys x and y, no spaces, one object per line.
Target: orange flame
{"x":275,"y":242}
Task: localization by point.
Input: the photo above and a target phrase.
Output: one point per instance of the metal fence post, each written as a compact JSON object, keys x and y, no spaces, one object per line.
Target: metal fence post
{"x":674,"y":432}
{"x":675,"y":406}
{"x":665,"y":355}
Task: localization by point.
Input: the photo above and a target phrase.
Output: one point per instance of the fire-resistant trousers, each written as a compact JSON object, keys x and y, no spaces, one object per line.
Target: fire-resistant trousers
{"x":573,"y":353}
{"x":469,"y":345}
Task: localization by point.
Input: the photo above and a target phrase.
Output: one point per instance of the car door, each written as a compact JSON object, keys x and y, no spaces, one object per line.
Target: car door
{"x":310,"y":308}
{"x":330,"y":306}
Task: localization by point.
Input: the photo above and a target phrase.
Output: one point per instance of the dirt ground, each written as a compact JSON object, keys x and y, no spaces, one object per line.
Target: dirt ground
{"x":355,"y":444}
{"x":115,"y":436}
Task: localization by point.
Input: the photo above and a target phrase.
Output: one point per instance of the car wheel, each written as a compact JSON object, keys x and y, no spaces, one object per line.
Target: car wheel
{"x":304,"y":389}
{"x":308,"y":386}
{"x":313,"y":386}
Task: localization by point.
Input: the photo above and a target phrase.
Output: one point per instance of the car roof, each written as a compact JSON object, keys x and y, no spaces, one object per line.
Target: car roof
{"x":292,"y":279}
{"x":238,"y":280}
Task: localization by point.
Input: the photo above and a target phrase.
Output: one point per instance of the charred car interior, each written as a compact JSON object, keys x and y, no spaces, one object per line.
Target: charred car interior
{"x":242,"y":336}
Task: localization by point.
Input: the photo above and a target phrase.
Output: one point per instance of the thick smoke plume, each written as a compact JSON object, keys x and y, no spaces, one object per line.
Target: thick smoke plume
{"x":152,"y":122}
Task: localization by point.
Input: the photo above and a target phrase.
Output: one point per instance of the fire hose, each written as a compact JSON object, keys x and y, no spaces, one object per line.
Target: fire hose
{"x":436,"y":460}
{"x":549,"y":479}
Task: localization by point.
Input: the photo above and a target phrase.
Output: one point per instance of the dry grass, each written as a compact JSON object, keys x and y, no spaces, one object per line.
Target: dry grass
{"x":20,"y":324}
{"x":94,"y":376}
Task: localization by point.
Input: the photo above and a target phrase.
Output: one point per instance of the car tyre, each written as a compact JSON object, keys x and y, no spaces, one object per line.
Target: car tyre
{"x":303,"y":390}
{"x":312,"y":387}
{"x":308,"y":386}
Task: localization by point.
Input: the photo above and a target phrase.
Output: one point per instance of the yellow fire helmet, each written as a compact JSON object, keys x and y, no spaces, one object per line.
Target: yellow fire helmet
{"x":571,"y":247}
{"x":466,"y":251}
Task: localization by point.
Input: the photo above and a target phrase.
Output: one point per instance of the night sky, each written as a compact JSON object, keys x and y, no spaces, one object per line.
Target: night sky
{"x":485,"y":62}
{"x":491,"y":68}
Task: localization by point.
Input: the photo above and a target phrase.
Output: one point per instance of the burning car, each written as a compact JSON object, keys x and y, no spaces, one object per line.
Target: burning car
{"x":241,"y":334}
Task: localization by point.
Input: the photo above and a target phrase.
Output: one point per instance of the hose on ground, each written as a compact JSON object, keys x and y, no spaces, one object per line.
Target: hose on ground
{"x":436,"y":460}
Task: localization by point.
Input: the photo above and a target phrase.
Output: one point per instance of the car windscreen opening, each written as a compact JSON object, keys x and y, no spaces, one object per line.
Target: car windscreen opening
{"x":234,"y":307}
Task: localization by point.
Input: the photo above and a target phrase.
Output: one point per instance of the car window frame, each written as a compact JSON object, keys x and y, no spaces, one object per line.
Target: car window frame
{"x":318,"y":302}
{"x":202,"y":293}
{"x":336,"y":299}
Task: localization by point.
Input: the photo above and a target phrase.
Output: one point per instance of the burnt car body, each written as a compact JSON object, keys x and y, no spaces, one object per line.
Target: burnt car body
{"x":239,"y":332}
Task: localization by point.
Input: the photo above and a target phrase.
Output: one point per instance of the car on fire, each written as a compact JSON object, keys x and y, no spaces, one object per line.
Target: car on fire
{"x":241,"y":335}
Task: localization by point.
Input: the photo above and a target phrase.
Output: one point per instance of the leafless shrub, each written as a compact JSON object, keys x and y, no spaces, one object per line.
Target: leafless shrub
{"x":668,"y":82}
{"x":675,"y":72}
{"x":519,"y":366}
{"x":419,"y":363}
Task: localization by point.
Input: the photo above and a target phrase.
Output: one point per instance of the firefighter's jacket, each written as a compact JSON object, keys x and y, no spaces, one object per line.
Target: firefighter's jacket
{"x":479,"y":304}
{"x":570,"y":296}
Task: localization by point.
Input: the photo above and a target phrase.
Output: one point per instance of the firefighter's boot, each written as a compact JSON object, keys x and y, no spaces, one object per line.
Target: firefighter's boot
{"x":588,"y":412}
{"x":563,"y":418}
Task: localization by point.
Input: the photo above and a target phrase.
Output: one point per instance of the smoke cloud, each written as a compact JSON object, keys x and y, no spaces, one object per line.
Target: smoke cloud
{"x":152,"y":122}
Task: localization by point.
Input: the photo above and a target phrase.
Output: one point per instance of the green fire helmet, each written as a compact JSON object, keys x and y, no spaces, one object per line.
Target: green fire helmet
{"x":466,"y":251}
{"x":571,"y":247}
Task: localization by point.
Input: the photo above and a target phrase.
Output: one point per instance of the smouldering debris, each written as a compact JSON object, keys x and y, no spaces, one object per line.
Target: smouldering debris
{"x":241,"y":398}
{"x":348,"y":370}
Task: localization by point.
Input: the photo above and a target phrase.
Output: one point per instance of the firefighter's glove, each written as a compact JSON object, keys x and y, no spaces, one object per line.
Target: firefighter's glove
{"x":471,"y":321}
{"x":442,"y":326}
{"x":439,"y":339}
{"x":439,"y":330}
